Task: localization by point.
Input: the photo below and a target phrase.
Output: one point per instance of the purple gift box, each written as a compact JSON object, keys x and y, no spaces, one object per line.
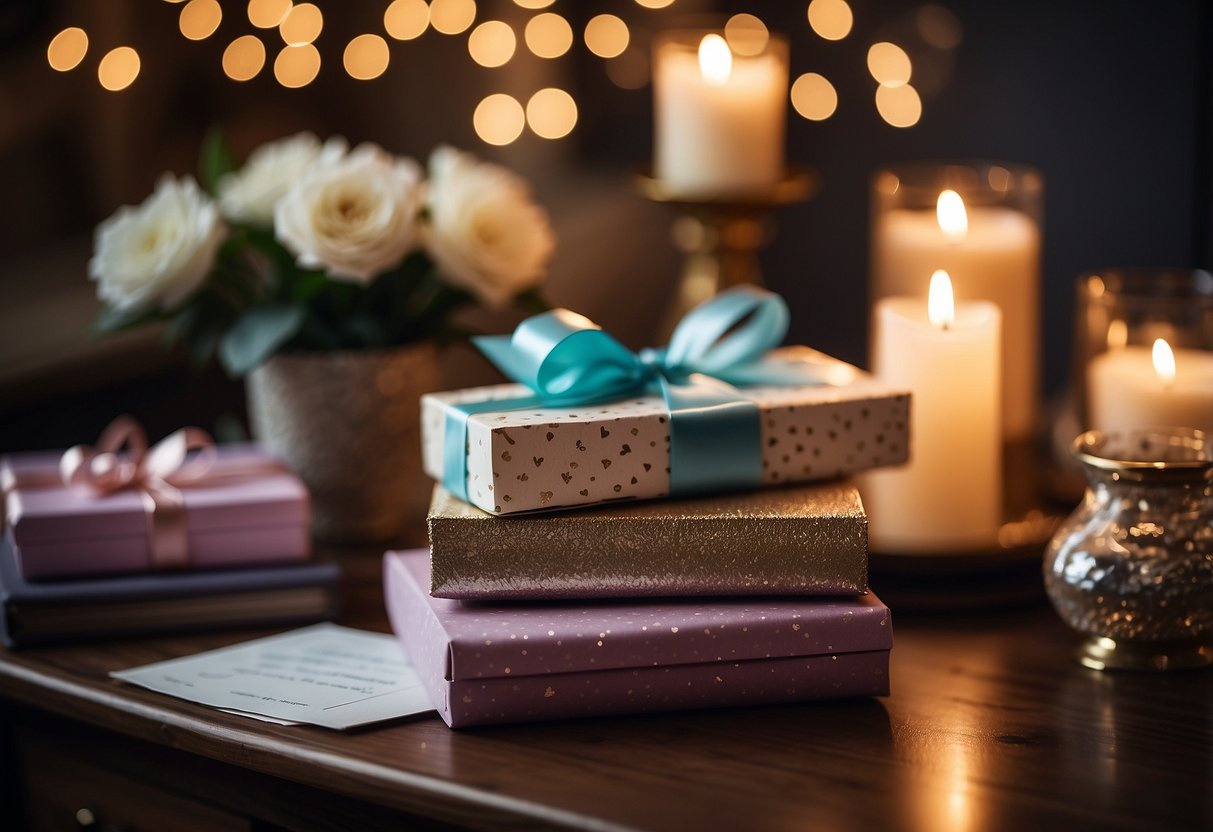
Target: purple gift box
{"x":249,"y":509}
{"x":493,"y":663}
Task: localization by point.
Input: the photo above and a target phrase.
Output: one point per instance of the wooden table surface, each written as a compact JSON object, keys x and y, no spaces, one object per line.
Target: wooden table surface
{"x":990,"y":725}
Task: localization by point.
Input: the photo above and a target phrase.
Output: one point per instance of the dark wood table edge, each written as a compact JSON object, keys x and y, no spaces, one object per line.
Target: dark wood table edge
{"x":262,"y":748}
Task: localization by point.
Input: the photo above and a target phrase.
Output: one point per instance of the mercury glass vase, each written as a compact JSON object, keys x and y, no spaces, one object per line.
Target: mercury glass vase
{"x":1132,"y":567}
{"x":349,"y":423}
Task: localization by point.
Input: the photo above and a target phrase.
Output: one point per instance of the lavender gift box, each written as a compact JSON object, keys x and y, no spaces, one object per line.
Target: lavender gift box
{"x":547,"y":458}
{"x":484,"y":663}
{"x":250,"y":510}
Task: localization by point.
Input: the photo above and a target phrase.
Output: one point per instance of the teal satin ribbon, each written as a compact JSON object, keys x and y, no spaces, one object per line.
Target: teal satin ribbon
{"x":715,"y":431}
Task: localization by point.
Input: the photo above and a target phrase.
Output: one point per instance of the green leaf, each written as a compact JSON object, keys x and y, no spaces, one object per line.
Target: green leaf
{"x":257,"y":334}
{"x":112,"y":320}
{"x":201,"y":346}
{"x":216,"y":160}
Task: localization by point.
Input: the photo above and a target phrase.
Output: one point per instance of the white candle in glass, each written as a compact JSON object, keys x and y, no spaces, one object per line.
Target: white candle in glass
{"x":991,"y":253}
{"x":1133,"y":387}
{"x":720,"y":116}
{"x":949,"y":496}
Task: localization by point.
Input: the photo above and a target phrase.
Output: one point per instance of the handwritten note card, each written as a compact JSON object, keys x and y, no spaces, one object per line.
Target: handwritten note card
{"x":322,"y":675}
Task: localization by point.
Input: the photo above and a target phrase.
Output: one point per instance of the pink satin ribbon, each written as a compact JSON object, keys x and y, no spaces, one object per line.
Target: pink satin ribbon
{"x":121,"y":459}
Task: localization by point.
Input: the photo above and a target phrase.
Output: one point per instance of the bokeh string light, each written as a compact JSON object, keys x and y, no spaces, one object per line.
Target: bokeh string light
{"x":549,"y":113}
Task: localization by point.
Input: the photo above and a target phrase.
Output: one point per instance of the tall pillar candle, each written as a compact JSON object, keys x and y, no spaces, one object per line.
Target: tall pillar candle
{"x":720,"y":115}
{"x":949,"y":496}
{"x":1136,"y":386}
{"x":985,"y":233}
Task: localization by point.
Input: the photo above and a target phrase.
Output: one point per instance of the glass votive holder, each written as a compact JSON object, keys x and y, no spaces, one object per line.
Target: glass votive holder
{"x":980,"y":222}
{"x":720,"y":112}
{"x":1132,"y":567}
{"x":1144,"y":349}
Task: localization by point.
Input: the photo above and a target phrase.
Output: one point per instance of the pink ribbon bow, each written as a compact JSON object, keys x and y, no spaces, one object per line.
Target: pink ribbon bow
{"x":122,"y":459}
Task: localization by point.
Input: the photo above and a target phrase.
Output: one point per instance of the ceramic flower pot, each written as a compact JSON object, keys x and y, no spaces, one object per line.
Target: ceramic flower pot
{"x":348,"y":423}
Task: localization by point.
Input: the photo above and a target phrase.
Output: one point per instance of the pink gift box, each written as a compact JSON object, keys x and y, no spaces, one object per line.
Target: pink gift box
{"x":250,"y":510}
{"x":493,"y":663}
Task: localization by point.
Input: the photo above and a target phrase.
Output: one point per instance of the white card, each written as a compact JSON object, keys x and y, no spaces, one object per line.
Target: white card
{"x":322,"y":675}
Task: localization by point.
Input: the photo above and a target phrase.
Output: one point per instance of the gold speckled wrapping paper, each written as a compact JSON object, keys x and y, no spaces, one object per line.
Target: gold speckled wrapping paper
{"x":807,"y":540}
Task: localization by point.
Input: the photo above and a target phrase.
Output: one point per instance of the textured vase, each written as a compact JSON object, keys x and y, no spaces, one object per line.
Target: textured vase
{"x":1132,"y":567}
{"x":348,"y":423}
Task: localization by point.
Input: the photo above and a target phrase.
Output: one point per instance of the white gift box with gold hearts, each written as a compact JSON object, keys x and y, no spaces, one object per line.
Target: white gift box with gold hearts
{"x":545,"y":458}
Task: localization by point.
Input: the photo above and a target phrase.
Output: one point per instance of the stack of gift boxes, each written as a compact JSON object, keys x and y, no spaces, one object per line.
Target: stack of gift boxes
{"x":125,"y":540}
{"x":625,"y":602}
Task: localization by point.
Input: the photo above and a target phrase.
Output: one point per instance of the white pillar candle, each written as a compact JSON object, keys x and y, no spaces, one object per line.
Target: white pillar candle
{"x":720,"y":116}
{"x":1135,"y":387}
{"x":992,"y":253}
{"x":949,"y":496}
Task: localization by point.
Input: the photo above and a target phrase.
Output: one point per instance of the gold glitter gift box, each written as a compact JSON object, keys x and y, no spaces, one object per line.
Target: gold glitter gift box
{"x":547,"y":458}
{"x":803,"y":540}
{"x":493,"y":663}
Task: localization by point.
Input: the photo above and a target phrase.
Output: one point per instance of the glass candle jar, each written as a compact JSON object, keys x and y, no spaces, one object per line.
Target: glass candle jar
{"x":1132,"y":567}
{"x":1144,"y":349}
{"x":979,"y":222}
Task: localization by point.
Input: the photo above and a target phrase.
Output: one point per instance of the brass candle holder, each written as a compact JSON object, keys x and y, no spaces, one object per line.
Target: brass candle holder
{"x":720,"y":235}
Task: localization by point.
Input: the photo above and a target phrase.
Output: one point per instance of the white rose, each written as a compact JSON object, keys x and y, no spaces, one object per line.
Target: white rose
{"x":250,"y":194}
{"x":355,"y":218}
{"x":159,"y":252}
{"x":484,"y":231}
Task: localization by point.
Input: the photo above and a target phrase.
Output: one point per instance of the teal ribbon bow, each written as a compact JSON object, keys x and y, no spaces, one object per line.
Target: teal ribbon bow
{"x":715,"y":431}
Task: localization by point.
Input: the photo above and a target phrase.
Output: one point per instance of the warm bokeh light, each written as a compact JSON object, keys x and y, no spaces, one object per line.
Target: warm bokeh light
{"x":951,"y":215}
{"x":746,"y":34}
{"x":67,"y":49}
{"x":119,"y":68}
{"x":830,"y":19}
{"x":606,"y":36}
{"x":941,"y":308}
{"x":200,"y":18}
{"x":999,"y":178}
{"x":630,"y":71}
{"x":939,"y":27}
{"x":899,"y":106}
{"x":498,"y":119}
{"x":654,"y":4}
{"x":548,"y":35}
{"x":302,"y":25}
{"x":243,"y":58}
{"x":1118,"y":334}
{"x":492,"y":43}
{"x":452,"y":17}
{"x":715,"y":60}
{"x":366,"y":57}
{"x":889,"y":64}
{"x":814,"y":97}
{"x":266,"y":14}
{"x":551,"y":113}
{"x":534,"y":4}
{"x":297,"y":66}
{"x":1164,"y":361}
{"x":406,"y":19}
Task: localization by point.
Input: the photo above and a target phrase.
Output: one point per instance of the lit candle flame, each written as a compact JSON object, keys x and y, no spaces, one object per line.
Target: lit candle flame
{"x":941,"y":308}
{"x":950,"y":211}
{"x":715,"y":60}
{"x":1164,"y":362}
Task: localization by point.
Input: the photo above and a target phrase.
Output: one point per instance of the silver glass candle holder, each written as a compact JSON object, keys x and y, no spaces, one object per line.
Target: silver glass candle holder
{"x":1132,"y":567}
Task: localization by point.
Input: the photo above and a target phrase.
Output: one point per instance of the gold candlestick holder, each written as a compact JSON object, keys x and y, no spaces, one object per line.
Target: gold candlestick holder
{"x":720,"y":235}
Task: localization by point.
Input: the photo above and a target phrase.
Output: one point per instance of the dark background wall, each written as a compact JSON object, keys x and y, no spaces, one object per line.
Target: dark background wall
{"x":1110,"y":99}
